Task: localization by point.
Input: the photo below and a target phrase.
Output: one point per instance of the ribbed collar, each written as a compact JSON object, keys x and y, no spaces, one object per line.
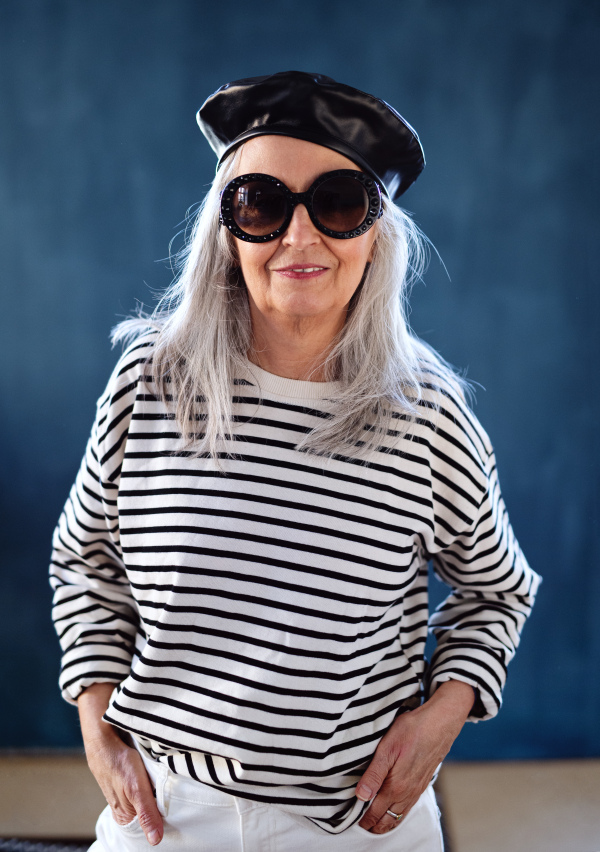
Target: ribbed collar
{"x":271,"y":384}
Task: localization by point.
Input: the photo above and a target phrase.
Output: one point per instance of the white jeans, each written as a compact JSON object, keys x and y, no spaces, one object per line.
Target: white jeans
{"x":198,"y":818}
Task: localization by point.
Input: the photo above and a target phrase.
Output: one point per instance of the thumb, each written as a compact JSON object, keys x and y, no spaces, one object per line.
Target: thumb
{"x":376,"y":773}
{"x":149,"y":816}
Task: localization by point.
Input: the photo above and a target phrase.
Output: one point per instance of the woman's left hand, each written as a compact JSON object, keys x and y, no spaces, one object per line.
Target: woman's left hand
{"x":409,"y":753}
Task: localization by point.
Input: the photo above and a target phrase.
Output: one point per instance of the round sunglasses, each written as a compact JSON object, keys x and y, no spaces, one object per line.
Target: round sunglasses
{"x":342,"y":204}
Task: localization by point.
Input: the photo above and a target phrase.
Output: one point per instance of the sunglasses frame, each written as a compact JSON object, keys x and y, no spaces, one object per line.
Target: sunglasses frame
{"x":372,"y":188}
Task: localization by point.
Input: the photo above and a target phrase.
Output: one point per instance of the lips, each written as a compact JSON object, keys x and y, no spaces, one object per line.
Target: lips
{"x":301,"y":267}
{"x":301,"y":270}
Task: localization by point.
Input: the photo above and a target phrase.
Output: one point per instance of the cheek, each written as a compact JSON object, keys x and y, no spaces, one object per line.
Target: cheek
{"x":372,"y":239}
{"x":355,"y":254}
{"x":252,"y":258}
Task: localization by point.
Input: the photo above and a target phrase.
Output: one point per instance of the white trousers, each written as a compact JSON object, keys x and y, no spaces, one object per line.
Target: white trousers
{"x":198,"y":818}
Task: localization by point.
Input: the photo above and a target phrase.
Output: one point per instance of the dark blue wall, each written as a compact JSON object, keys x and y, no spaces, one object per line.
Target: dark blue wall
{"x":100,"y":158}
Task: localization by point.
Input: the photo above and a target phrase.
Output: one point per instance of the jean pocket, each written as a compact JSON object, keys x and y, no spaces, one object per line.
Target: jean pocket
{"x":131,"y":828}
{"x":375,"y":838}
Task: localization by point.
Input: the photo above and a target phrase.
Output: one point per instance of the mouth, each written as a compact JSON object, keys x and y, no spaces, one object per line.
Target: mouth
{"x":302,"y":270}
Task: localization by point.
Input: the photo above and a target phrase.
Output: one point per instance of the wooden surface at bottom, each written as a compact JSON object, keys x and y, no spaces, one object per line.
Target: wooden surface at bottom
{"x":48,"y":796}
{"x":546,"y":806}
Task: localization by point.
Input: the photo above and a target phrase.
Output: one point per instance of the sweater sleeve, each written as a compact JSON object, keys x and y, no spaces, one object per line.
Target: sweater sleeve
{"x":94,"y":612}
{"x":478,"y":626}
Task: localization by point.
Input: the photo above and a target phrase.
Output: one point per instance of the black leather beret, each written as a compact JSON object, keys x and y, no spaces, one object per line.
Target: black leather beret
{"x":314,"y":107}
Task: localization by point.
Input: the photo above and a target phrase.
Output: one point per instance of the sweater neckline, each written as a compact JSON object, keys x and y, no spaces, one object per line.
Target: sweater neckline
{"x":280,"y":386}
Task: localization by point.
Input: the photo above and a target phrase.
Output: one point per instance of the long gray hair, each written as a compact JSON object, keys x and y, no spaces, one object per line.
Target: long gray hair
{"x":205,"y":334}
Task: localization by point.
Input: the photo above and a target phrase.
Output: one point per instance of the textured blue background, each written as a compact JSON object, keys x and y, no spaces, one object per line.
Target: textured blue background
{"x":100,"y":158}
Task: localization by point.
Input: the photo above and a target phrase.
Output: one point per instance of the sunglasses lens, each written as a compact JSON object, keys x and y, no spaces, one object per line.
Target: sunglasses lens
{"x":341,"y":203}
{"x":259,"y":208}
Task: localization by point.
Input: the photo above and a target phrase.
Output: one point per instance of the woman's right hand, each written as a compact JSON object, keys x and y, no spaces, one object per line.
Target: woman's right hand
{"x":118,"y":768}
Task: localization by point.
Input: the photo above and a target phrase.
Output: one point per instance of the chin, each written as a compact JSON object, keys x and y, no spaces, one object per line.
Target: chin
{"x":307,"y":309}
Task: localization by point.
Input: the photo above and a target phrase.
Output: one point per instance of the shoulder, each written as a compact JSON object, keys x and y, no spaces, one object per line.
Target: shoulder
{"x":115,"y":406}
{"x":446,"y":418}
{"x":133,"y":366}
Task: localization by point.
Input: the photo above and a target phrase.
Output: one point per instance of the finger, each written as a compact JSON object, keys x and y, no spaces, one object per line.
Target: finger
{"x":123,"y":816}
{"x":151,"y":823}
{"x":388,"y":799}
{"x":380,"y":817}
{"x":377,"y":812}
{"x":391,"y":818}
{"x":376,"y":773}
{"x":388,"y":819}
{"x":386,"y":823}
{"x":142,"y":799}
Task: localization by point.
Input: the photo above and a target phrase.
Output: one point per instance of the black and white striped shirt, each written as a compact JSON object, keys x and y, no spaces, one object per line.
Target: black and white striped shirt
{"x":266,"y":622}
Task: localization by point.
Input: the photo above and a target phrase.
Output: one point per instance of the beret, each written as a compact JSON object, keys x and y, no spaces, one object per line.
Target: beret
{"x":317,"y":109}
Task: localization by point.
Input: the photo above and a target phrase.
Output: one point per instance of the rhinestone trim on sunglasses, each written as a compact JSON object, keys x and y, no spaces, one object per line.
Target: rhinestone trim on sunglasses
{"x":372,"y":203}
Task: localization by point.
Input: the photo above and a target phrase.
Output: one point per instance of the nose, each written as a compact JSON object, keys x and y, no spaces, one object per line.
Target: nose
{"x":301,"y":233}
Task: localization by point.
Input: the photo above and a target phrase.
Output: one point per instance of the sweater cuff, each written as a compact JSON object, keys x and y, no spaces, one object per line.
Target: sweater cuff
{"x":83,"y":666}
{"x":480,"y":668}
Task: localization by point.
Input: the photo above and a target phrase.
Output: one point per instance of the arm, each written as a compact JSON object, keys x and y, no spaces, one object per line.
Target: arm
{"x":477,"y":627}
{"x":116,"y":766}
{"x":94,"y":611}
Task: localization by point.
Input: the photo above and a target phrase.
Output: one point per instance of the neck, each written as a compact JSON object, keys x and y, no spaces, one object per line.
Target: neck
{"x":293,"y":349}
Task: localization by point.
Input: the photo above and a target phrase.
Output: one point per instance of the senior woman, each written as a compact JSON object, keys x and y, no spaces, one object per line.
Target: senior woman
{"x":240,"y":571}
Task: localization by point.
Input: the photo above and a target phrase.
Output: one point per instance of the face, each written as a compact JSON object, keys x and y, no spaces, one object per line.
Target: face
{"x":302,"y":277}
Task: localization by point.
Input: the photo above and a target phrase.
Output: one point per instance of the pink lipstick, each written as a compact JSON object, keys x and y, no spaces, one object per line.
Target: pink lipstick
{"x":301,"y":270}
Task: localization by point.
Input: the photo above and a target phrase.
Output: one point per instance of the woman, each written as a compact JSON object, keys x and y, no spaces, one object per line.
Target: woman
{"x":240,"y":572}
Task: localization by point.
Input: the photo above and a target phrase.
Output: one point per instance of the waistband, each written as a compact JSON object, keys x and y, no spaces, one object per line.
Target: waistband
{"x":168,"y":785}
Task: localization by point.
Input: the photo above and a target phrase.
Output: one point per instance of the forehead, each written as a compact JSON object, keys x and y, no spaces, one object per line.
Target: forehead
{"x":294,"y":161}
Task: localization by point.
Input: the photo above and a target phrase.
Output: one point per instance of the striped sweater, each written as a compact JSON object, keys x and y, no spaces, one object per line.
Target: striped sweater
{"x":265,"y":622}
